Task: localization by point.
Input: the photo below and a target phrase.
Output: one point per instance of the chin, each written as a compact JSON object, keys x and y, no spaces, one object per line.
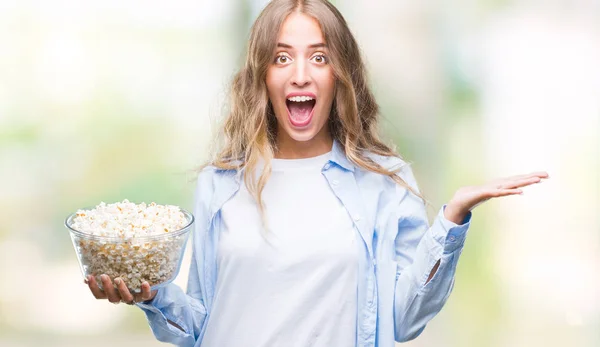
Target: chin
{"x":303,"y":135}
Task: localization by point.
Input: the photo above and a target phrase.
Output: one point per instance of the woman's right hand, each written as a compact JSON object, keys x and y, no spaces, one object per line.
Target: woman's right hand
{"x":118,"y":292}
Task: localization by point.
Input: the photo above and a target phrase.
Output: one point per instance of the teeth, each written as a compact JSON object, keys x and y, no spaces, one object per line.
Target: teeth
{"x":300,"y":98}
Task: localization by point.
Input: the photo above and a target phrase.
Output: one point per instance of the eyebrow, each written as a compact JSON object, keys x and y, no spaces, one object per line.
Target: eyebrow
{"x":314,"y":45}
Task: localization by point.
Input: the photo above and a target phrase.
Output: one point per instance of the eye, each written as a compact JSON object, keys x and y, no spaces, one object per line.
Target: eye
{"x":282,"y":59}
{"x":320,"y":58}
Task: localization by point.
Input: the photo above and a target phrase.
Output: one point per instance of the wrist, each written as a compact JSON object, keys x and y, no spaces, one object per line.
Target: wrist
{"x":150,"y":300}
{"x":152,"y":296}
{"x":454,"y":214}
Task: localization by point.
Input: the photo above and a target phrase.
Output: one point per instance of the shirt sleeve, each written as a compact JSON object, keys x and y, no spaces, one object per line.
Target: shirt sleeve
{"x":418,"y":247}
{"x":176,"y":316}
{"x":173,"y":315}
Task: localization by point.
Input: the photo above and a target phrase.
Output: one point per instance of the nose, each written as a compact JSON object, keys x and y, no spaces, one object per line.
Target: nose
{"x":301,"y":75}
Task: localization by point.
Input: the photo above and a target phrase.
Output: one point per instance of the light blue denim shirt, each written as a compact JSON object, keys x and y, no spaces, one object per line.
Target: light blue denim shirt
{"x":398,"y":250}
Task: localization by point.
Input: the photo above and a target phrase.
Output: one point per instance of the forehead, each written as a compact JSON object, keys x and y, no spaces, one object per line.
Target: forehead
{"x":299,"y":29}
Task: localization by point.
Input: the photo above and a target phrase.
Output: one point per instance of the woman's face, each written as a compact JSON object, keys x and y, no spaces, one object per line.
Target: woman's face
{"x":300,"y":83}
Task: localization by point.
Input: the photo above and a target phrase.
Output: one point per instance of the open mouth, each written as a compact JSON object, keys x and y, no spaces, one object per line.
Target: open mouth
{"x":300,"y":109}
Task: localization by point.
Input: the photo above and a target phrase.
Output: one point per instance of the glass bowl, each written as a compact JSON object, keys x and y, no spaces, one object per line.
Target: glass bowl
{"x":152,"y":258}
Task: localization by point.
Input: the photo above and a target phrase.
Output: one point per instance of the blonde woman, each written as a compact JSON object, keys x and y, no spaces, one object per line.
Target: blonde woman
{"x":309,"y":230}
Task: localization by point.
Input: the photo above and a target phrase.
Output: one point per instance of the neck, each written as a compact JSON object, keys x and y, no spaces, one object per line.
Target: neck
{"x":288,"y":148}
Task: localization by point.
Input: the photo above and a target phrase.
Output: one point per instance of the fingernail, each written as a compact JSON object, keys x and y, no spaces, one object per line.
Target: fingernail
{"x":118,"y":281}
{"x":103,"y":277}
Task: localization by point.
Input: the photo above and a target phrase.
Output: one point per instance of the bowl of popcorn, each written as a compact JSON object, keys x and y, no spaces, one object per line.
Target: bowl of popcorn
{"x":135,"y":242}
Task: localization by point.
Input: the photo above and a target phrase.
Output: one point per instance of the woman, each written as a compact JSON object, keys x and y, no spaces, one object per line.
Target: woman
{"x":309,"y":230}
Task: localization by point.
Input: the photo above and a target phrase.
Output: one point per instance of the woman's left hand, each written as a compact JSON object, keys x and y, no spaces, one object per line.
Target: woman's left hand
{"x":467,"y":198}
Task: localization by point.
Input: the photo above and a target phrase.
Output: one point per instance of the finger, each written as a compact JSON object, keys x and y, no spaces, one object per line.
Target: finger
{"x":514,"y":178}
{"x":146,"y":293}
{"x":506,"y":192}
{"x":521,"y":183}
{"x":110,"y":291}
{"x":540,"y":174}
{"x":123,"y":291}
{"x":96,"y":291}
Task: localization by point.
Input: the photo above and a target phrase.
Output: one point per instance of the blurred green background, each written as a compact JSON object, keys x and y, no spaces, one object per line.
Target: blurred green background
{"x":102,"y":101}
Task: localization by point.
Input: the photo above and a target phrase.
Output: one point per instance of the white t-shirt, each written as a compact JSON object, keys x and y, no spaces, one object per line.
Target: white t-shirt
{"x":299,"y":290}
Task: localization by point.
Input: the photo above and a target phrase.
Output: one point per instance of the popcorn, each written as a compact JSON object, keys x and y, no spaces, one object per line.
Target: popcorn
{"x":130,"y":241}
{"x":126,"y":219}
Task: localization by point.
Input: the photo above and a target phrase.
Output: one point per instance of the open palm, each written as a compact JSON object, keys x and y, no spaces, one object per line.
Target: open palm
{"x":467,"y":198}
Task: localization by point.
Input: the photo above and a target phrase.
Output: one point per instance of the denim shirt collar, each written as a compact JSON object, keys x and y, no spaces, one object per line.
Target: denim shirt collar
{"x":338,"y":157}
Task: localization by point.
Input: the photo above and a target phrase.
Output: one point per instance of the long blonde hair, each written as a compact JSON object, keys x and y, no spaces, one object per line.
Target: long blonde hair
{"x":250,"y":128}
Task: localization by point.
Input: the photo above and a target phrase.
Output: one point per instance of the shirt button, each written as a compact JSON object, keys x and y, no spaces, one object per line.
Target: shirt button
{"x":451,"y":238}
{"x":327,"y":166}
{"x":357,"y":217}
{"x":335,"y":182}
